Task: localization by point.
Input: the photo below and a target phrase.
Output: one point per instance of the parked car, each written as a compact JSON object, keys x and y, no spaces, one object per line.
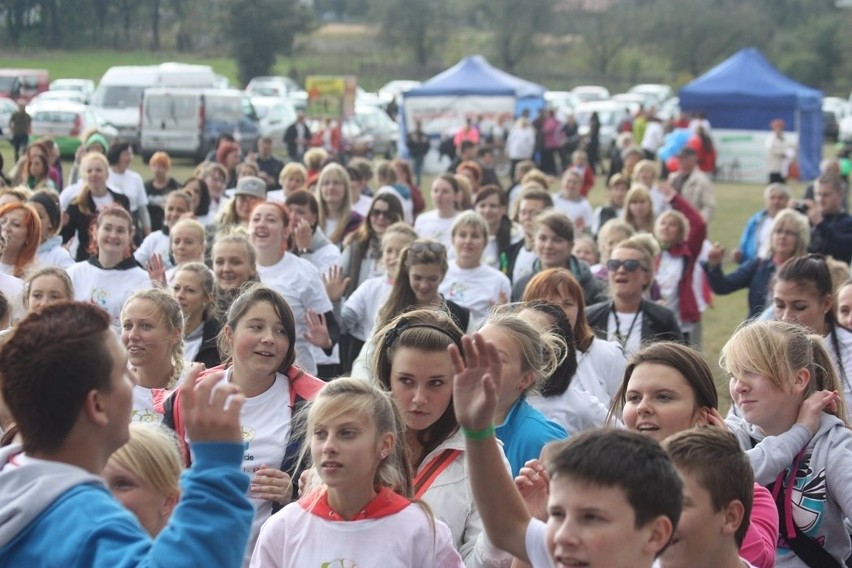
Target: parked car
{"x":353,"y":140}
{"x":7,"y":108}
{"x":654,"y":93}
{"x":392,"y":90}
{"x":23,"y":83}
{"x":376,"y":123}
{"x":85,"y":86}
{"x":587,"y":93}
{"x":272,"y":87}
{"x":610,"y":114}
{"x":50,"y":96}
{"x":65,"y":121}
{"x":274,"y":115}
{"x":186,"y":122}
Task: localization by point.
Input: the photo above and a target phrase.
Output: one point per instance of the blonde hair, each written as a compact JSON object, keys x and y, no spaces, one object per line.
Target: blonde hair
{"x":39,"y":271}
{"x":194,"y":225}
{"x":332,"y":171}
{"x":172,"y":317}
{"x":152,"y":454}
{"x":346,"y":395}
{"x":645,"y":165}
{"x":778,"y":350}
{"x":680,"y":219}
{"x":82,"y":199}
{"x":792,"y":219}
{"x":314,"y":158}
{"x":639,"y":192}
{"x":291,"y":169}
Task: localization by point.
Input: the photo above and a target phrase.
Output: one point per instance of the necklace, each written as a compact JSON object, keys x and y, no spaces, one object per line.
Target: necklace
{"x":622,"y":339}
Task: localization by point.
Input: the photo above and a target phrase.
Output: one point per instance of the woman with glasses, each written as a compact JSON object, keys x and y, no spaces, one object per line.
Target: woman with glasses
{"x":790,"y":237}
{"x":362,"y":249}
{"x":420,"y":271}
{"x":628,"y":317}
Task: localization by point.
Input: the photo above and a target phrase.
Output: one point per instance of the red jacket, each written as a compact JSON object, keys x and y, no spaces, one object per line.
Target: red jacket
{"x":689,"y":250}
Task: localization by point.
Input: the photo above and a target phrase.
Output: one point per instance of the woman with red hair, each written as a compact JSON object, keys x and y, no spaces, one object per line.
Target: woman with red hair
{"x":228,"y":156}
{"x":21,"y":229}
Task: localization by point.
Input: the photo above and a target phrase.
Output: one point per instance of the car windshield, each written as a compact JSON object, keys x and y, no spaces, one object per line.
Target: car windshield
{"x":7,"y":83}
{"x":118,"y":97}
{"x":54,"y":116}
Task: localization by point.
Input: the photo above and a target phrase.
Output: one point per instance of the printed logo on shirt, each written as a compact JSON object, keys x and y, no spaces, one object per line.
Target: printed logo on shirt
{"x":100,"y":297}
{"x":808,"y":497}
{"x":339,"y":563}
{"x":456,"y":292}
{"x":248,"y":434}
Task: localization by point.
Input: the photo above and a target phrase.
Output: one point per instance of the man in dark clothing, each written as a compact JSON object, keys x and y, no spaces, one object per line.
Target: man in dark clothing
{"x":831,"y":228}
{"x":296,"y":137}
{"x":418,"y":146}
{"x":268,"y":166}
{"x":485,"y":158}
{"x":466,"y":151}
{"x":20,"y":123}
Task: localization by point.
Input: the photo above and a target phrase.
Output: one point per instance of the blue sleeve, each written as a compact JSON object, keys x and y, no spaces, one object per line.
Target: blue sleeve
{"x":740,"y":278}
{"x":748,"y":240}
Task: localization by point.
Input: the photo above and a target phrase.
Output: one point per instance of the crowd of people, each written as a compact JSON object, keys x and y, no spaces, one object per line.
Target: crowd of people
{"x":292,"y":364}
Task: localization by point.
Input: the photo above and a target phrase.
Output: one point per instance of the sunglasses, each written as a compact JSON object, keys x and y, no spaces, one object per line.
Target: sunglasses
{"x":630,"y":265}
{"x":383,"y":213}
{"x":421,"y":246}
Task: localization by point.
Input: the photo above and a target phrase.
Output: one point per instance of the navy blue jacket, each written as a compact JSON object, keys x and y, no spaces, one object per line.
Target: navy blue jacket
{"x":755,"y":274}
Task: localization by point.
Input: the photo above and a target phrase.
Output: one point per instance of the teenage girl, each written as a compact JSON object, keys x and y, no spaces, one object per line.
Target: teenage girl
{"x":296,"y":279}
{"x":638,"y":209}
{"x":411,"y":361}
{"x":152,"y":334}
{"x":794,"y":431}
{"x":803,"y":294}
{"x":258,"y":342}
{"x":110,"y":276}
{"x":21,"y":228}
{"x":194,"y":287}
{"x":46,"y":285}
{"x":493,"y":205}
{"x":144,"y":474}
{"x":362,"y":514}
{"x":419,"y":273}
{"x":234,"y":265}
{"x":336,"y":217}
{"x":528,"y":358}
{"x":50,"y":251}
{"x":178,"y":205}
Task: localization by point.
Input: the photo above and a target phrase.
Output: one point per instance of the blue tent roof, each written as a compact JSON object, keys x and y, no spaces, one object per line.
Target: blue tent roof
{"x":473,"y":75}
{"x":747,"y":78}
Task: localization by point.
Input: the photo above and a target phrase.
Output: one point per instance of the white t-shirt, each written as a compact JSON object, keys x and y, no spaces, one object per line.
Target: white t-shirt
{"x":477,"y":289}
{"x":575,"y":409}
{"x":55,"y":256}
{"x":103,"y":201}
{"x":625,"y":323}
{"x":13,"y":289}
{"x":764,"y":236}
{"x":7,"y":269}
{"x":157,"y":242}
{"x":523,"y":264}
{"x":535,"y":542}
{"x":300,"y":284}
{"x":107,"y":288}
{"x":600,"y":370}
{"x":265,"y":421}
{"x":365,"y":303}
{"x":430,"y":226}
{"x":362,"y":206}
{"x":668,"y":276}
{"x":130,"y":184}
{"x":490,"y":255}
{"x":579,"y":209}
{"x":143,"y":404}
{"x":296,"y":537}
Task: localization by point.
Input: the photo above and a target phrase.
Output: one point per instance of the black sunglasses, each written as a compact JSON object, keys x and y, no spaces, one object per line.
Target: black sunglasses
{"x":420,"y":246}
{"x":386,"y":213}
{"x":630,"y":265}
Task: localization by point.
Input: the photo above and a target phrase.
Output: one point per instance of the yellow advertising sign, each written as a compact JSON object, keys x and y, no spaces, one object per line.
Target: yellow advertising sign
{"x":331,"y":95}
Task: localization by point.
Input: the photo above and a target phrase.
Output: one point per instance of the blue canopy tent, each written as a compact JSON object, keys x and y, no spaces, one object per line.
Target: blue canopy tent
{"x":466,"y":89}
{"x":746,"y":92}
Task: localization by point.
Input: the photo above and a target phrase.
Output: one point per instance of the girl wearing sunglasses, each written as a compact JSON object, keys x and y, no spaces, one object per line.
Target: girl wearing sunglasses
{"x":628,"y":317}
{"x":420,"y":271}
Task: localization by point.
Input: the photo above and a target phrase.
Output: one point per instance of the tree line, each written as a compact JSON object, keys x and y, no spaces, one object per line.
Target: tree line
{"x":677,"y":38}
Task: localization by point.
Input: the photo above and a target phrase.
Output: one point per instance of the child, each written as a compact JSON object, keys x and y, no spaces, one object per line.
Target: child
{"x":717,"y":500}
{"x":529,"y":358}
{"x":614,"y":496}
{"x":617,"y":186}
{"x":72,"y":405}
{"x":795,"y":435}
{"x":571,"y":201}
{"x":362,"y":514}
{"x":586,"y":250}
{"x":844,"y":304}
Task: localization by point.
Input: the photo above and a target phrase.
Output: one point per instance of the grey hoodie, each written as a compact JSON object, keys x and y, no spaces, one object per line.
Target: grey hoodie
{"x":27,"y":491}
{"x":822,"y":495}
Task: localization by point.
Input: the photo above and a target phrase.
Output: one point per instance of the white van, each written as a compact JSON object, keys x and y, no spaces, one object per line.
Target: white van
{"x":119,"y":94}
{"x":186,"y":122}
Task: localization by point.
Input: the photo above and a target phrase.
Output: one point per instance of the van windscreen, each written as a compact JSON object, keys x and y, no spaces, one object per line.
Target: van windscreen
{"x":224,"y":109}
{"x":114,"y":96}
{"x":7,"y":84}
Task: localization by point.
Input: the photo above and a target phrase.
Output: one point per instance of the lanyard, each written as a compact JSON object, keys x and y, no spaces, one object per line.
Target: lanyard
{"x":623,"y":339}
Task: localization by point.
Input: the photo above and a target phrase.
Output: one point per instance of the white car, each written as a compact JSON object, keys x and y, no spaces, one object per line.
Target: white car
{"x":655,"y":94}
{"x":274,"y":115}
{"x":610,"y":114}
{"x":272,"y":87}
{"x":58,"y":96}
{"x":7,"y":108}
{"x":587,"y":93}
{"x":85,"y":86}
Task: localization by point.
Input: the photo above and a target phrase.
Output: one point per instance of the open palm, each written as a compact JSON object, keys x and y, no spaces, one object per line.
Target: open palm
{"x":475,"y":383}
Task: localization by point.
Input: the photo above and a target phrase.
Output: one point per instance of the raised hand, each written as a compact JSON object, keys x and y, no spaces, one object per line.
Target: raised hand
{"x":533,"y":484}
{"x":317,"y":332}
{"x":335,"y":282}
{"x":813,"y":407}
{"x":715,"y":255}
{"x":302,"y":234}
{"x":157,"y":270}
{"x":210,"y":415}
{"x":476,"y":382}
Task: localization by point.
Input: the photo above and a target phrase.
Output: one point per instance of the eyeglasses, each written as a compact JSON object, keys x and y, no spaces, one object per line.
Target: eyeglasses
{"x":420,"y":246}
{"x":387,"y":214}
{"x":786,"y":233}
{"x":630,"y":265}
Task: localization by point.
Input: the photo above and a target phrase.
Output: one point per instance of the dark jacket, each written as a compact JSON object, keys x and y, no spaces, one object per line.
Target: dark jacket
{"x":658,"y":322}
{"x":593,"y":289}
{"x":290,"y":139}
{"x":756,"y":274}
{"x":79,"y":223}
{"x":833,"y":237}
{"x":208,"y":353}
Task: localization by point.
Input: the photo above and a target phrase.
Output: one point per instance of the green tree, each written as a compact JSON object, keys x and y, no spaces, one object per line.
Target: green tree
{"x":416,"y":26}
{"x":260,"y":30}
{"x":515,"y":27}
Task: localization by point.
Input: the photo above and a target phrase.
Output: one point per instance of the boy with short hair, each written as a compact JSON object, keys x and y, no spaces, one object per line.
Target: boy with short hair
{"x":64,"y":378}
{"x":718,"y":489}
{"x":614,"y":500}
